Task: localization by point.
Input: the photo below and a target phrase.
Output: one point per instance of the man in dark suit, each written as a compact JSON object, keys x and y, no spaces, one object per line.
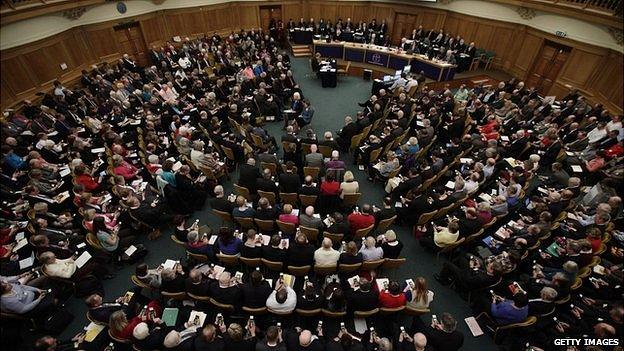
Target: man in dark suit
{"x":308,"y":187}
{"x":346,"y":133}
{"x":545,"y":304}
{"x":469,"y":223}
{"x":412,"y":182}
{"x":224,"y":292}
{"x":412,"y":209}
{"x":196,"y":285}
{"x":220,"y":202}
{"x":265,"y":183}
{"x":101,"y":311}
{"x":363,"y":299}
{"x":300,"y":252}
{"x":469,"y":275}
{"x":289,"y":181}
{"x":517,"y":145}
{"x":256,"y":291}
{"x":249,"y":174}
{"x":387,"y":211}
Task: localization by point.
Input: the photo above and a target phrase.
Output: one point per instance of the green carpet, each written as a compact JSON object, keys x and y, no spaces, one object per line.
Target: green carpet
{"x":331,"y":105}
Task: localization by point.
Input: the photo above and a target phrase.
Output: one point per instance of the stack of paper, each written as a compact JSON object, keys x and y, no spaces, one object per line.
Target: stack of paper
{"x":197,"y":318}
{"x":382,"y":283}
{"x":170,"y":316}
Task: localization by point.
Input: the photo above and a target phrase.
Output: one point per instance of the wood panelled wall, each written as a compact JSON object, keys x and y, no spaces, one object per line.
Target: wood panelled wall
{"x":596,"y":71}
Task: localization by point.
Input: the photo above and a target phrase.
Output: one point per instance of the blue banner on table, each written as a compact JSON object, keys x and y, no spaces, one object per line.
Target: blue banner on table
{"x":334,"y":51}
{"x":431,"y":71}
{"x":355,"y":55}
{"x":377,"y":58}
{"x":397,"y":63}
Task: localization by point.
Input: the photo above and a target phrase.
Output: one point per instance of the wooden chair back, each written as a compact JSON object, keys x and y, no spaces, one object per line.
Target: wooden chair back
{"x":350,"y":200}
{"x":370,"y":265}
{"x":335,"y":238}
{"x":310,"y":233}
{"x":228,"y":260}
{"x":361,"y":233}
{"x":245,"y":222}
{"x":286,"y":227}
{"x":269,"y":195}
{"x":311,"y":171}
{"x":272,"y":265}
{"x":384,"y":224}
{"x":307,"y":200}
{"x":299,"y":271}
{"x":349,"y":268}
{"x":325,"y":270}
{"x":289,"y":198}
{"x":242,"y":191}
{"x":265,"y":225}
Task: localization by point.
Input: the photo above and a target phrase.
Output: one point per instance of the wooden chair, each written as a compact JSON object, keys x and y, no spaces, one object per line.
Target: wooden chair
{"x":265,"y":225}
{"x":225,"y":216}
{"x":289,"y":198}
{"x":577,"y":284}
{"x":325,"y":150}
{"x":307,"y":200}
{"x":344,"y":71}
{"x":443,"y":211}
{"x":269,"y":195}
{"x":299,"y":271}
{"x":350,"y":200}
{"x":310,"y":233}
{"x":222,"y":306}
{"x":392,"y":264}
{"x":308,"y":313}
{"x":229,"y":154}
{"x":255,"y":311}
{"x":177,"y":296}
{"x":93,"y":241}
{"x":257,"y":140}
{"x":245,"y":222}
{"x":287,"y":228}
{"x":335,"y":238}
{"x":349,"y":268}
{"x":251,"y":263}
{"x":311,"y":171}
{"x":178,"y":242}
{"x":391,"y":311}
{"x":500,"y":328}
{"x":371,"y":265}
{"x":383,"y":225}
{"x":355,"y":141}
{"x":89,"y":318}
{"x":198,"y":298}
{"x":306,"y":148}
{"x":228,"y":260}
{"x":136,"y":281}
{"x":425,"y":218}
{"x":475,"y":236}
{"x":324,"y":270}
{"x":242,"y":191}
{"x":332,"y":314}
{"x":411,"y":311}
{"x":362,"y":233}
{"x":365,"y":314}
{"x":199,"y":258}
{"x":272,"y":265}
{"x":449,"y":249}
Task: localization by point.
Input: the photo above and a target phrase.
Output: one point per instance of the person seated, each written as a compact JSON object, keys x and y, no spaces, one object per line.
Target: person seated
{"x":350,"y":255}
{"x":386,"y":212}
{"x":326,"y":255}
{"x":227,"y":243}
{"x":308,"y":219}
{"x":288,"y":216}
{"x":26,"y":300}
{"x":273,"y":251}
{"x":197,"y":284}
{"x":360,"y":220}
{"x":390,"y":245}
{"x":225,"y":290}
{"x":241,"y":209}
{"x":220,"y":202}
{"x":208,"y":339}
{"x":417,"y":295}
{"x":101,"y":311}
{"x":151,"y":277}
{"x":300,"y":252}
{"x":265,"y":211}
{"x":146,"y":338}
{"x":198,"y":244}
{"x":338,"y":225}
{"x":181,"y":340}
{"x":369,"y":251}
{"x":309,"y":299}
{"x":267,"y":183}
{"x":67,"y":268}
{"x":545,"y":304}
{"x":256,"y":291}
{"x":252,"y":247}
{"x":391,"y":297}
{"x":335,"y":299}
{"x":314,"y":158}
{"x":122,"y":328}
{"x":289,"y":181}
{"x":335,"y":162}
{"x":442,"y":237}
{"x":444,"y":335}
{"x":172,"y":279}
{"x":349,"y":185}
{"x":505,"y":311}
{"x":283,"y":298}
{"x":309,"y":187}
{"x":471,"y":275}
{"x":273,"y":340}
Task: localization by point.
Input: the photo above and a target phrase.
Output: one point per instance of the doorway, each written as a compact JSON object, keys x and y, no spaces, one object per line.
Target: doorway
{"x":267,"y":13}
{"x":404,"y":23}
{"x":130,"y":39}
{"x":547,"y":66}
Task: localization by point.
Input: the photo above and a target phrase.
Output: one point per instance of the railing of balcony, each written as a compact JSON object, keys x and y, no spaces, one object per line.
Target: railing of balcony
{"x":610,"y":6}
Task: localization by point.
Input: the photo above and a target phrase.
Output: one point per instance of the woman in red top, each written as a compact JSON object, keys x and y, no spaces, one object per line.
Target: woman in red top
{"x":595,"y":239}
{"x":288,"y":216}
{"x":393,"y":297}
{"x":330,"y":186}
{"x":121,"y":327}
{"x":82,"y":177}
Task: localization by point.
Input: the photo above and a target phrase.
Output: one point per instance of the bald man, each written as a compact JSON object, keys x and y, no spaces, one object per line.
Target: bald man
{"x":305,"y":341}
{"x":308,"y":219}
{"x":326,"y":255}
{"x":314,"y":158}
{"x":225,"y":291}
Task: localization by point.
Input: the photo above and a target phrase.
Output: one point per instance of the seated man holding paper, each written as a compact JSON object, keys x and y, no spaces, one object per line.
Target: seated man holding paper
{"x":73,"y":268}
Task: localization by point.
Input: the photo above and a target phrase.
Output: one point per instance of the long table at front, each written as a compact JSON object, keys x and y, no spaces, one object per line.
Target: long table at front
{"x":376,"y":57}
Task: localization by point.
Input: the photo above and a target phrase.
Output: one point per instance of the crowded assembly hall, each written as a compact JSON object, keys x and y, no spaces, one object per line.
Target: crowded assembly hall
{"x":361,"y":176}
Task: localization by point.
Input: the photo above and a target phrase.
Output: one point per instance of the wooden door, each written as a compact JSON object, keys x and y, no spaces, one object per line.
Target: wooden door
{"x":404,"y":23}
{"x":131,"y":42}
{"x":269,"y":12}
{"x":547,"y":66}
